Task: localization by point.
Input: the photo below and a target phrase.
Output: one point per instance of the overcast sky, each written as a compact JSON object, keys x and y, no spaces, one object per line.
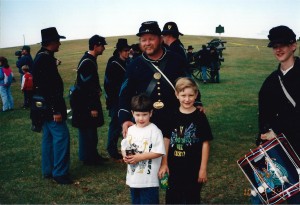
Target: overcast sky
{"x":80,"y":19}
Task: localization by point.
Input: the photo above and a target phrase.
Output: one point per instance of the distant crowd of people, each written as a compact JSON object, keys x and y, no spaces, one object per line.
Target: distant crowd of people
{"x":24,"y":64}
{"x":152,"y":101}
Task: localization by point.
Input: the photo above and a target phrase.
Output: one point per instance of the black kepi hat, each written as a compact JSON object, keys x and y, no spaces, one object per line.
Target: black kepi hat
{"x":26,"y":48}
{"x":171,"y":28}
{"x":281,"y":35}
{"x":149,"y":27}
{"x":97,"y":40}
{"x":50,"y":34}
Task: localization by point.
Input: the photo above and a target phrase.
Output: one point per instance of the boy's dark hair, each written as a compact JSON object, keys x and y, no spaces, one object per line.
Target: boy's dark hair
{"x":141,"y":103}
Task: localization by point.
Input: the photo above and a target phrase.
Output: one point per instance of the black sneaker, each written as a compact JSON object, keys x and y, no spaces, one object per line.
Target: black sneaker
{"x":63,"y":179}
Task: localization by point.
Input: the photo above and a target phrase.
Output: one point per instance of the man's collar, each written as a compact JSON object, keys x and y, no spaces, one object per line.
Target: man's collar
{"x":144,"y":55}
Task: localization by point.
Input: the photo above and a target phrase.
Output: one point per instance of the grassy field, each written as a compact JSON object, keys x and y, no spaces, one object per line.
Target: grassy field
{"x":231,"y":107}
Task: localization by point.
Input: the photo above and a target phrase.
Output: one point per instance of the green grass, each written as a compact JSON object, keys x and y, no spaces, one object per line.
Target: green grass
{"x":231,"y":107}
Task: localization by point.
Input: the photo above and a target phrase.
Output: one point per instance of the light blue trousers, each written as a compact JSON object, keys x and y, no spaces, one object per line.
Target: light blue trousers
{"x":7,"y":99}
{"x":55,"y":149}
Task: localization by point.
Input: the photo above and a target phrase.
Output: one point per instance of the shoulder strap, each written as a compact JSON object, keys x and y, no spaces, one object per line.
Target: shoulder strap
{"x":155,"y":69}
{"x":288,"y":96}
{"x":38,"y":55}
{"x":84,"y":61}
{"x":164,"y":76}
{"x":80,"y":66}
{"x":119,"y":65}
{"x":45,"y":52}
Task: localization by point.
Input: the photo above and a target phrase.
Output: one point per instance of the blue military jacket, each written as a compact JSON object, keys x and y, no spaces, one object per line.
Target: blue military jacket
{"x":88,"y":96}
{"x":114,"y":76}
{"x":275,"y":110}
{"x":48,"y":83}
{"x":137,"y":79}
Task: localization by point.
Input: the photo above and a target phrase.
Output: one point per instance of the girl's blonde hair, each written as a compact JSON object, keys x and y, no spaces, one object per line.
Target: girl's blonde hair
{"x":185,"y":82}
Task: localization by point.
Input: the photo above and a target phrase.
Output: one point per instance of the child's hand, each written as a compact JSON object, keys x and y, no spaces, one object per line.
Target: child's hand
{"x":202,"y":177}
{"x":268,"y":136}
{"x":133,"y":159}
{"x":126,"y":160}
{"x":162,"y":170}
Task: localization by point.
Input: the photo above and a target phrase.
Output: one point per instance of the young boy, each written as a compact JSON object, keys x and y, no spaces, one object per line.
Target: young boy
{"x":279,"y":96}
{"x":187,"y":147}
{"x":27,"y":86}
{"x":142,"y":150}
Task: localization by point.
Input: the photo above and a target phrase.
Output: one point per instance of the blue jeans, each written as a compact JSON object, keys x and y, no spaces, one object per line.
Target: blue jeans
{"x":88,"y":141}
{"x":55,"y":149}
{"x":7,"y":99}
{"x":203,"y":70}
{"x":114,"y":132}
{"x":148,"y":195}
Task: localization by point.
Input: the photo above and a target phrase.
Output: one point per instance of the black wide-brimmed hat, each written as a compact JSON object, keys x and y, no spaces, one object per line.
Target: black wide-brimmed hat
{"x":149,"y":27}
{"x":171,"y":28}
{"x":190,"y":47}
{"x":121,"y":44}
{"x":281,"y":35}
{"x":50,"y":34}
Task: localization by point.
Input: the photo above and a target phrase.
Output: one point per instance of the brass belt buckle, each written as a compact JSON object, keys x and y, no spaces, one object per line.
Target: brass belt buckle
{"x":158,"y":105}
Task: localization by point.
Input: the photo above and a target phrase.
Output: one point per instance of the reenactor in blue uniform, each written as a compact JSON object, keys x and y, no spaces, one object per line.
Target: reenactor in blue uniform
{"x":279,"y":96}
{"x":153,"y":73}
{"x":171,"y":35}
{"x":204,"y":59}
{"x":190,"y":54}
{"x":87,"y":113}
{"x":114,"y":76}
{"x":191,"y":58}
{"x":49,"y":85}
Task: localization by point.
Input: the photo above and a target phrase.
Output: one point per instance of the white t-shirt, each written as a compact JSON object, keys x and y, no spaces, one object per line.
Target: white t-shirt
{"x":141,"y":140}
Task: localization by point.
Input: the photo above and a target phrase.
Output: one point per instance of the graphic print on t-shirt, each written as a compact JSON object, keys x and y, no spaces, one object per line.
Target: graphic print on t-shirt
{"x":182,"y":138}
{"x":141,"y":166}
